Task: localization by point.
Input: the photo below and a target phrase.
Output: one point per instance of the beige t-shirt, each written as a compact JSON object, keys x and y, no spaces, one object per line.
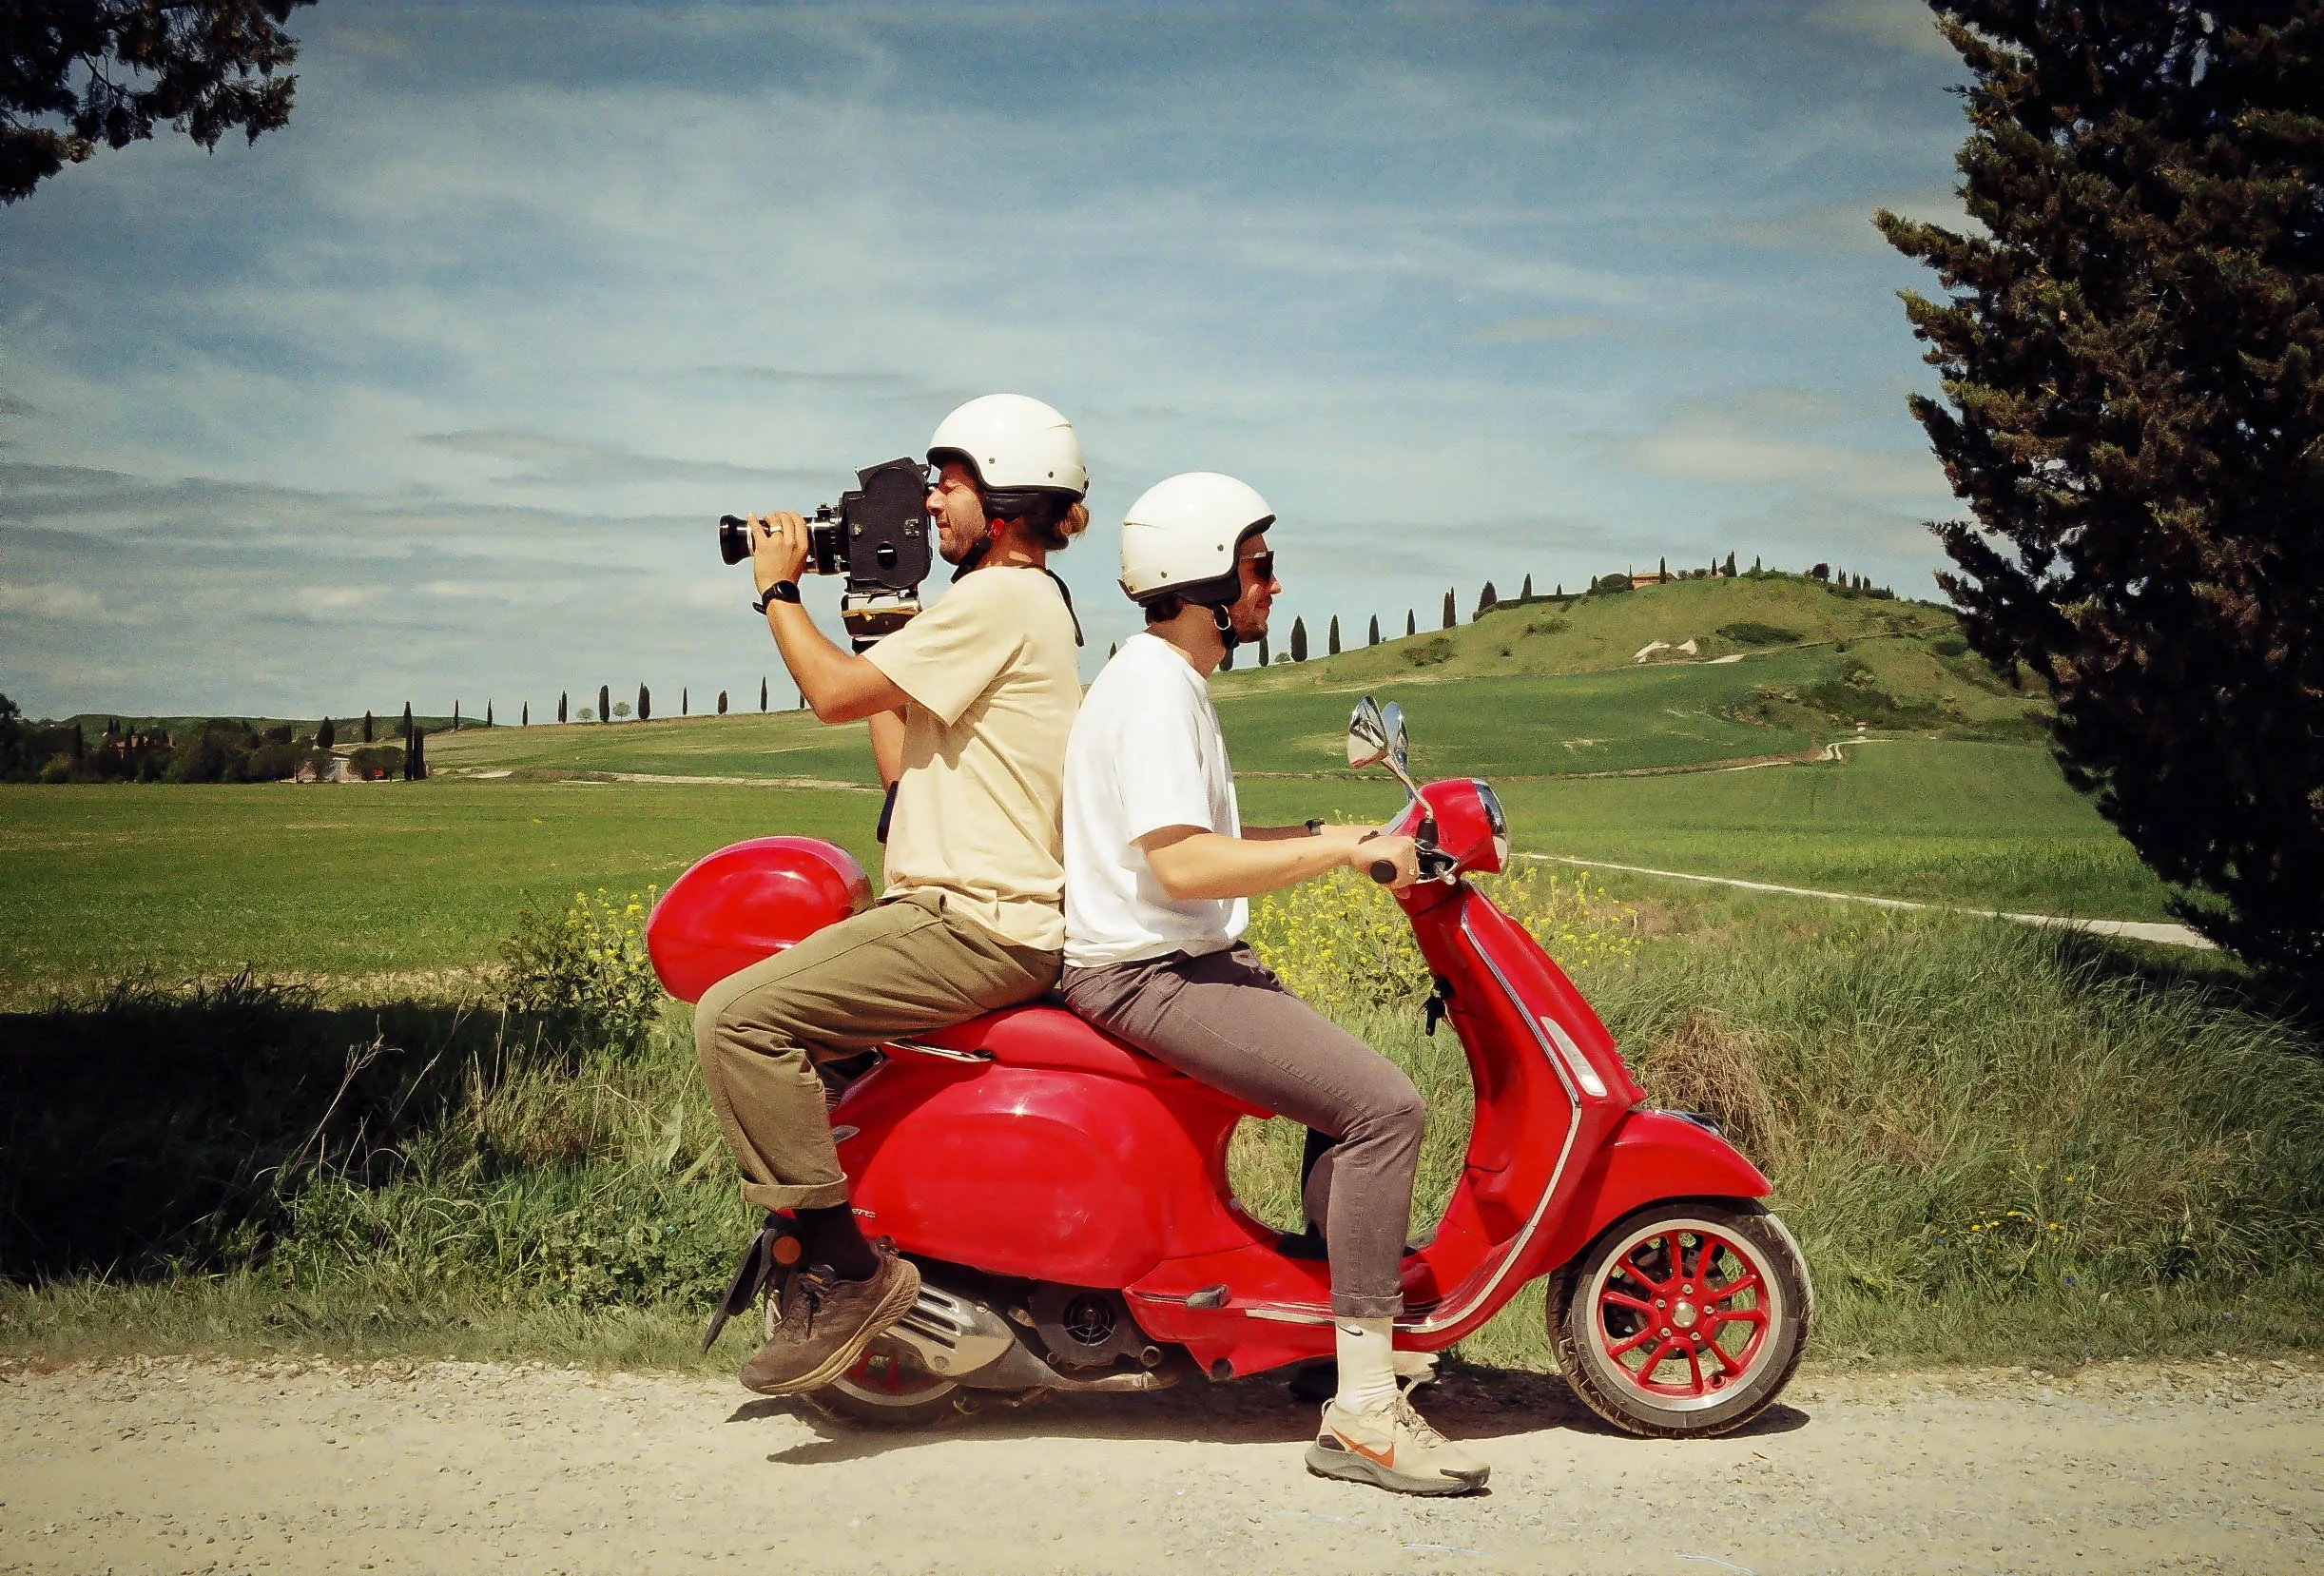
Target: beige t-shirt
{"x":978,"y":810}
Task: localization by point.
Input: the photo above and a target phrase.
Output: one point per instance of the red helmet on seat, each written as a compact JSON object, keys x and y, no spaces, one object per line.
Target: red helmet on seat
{"x":746,"y":901}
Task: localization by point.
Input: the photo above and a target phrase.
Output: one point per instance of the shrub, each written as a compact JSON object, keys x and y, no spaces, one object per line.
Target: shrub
{"x":1749,"y":633}
{"x":1428,"y":655}
{"x":586,"y":971}
{"x":1549,"y":626}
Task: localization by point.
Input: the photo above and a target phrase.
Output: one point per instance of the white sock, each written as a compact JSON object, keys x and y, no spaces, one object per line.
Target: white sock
{"x":1367,"y":1364}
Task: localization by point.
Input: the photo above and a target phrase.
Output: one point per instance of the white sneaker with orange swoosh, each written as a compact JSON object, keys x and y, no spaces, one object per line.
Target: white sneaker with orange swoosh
{"x":1393,"y":1448}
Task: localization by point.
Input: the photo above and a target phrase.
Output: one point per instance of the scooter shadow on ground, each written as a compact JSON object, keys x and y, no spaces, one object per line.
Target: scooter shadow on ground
{"x":1466,"y":1403}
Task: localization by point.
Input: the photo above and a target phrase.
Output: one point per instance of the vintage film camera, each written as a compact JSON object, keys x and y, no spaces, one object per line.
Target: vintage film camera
{"x":877,"y":537}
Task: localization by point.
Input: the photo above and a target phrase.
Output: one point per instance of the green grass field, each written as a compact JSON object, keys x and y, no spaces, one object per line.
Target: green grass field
{"x":113,"y":881}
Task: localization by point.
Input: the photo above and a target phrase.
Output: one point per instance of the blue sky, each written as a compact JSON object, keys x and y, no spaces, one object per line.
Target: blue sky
{"x":436,"y":394}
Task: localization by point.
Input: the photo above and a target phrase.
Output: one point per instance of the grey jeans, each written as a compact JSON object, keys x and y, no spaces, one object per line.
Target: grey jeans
{"x":1223,"y":1018}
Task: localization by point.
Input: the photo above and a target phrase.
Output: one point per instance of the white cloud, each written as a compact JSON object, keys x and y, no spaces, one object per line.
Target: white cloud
{"x":50,"y":599}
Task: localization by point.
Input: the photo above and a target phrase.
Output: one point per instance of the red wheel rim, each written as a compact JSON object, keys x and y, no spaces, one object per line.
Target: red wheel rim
{"x":883,"y":1374}
{"x":1683,"y":1314}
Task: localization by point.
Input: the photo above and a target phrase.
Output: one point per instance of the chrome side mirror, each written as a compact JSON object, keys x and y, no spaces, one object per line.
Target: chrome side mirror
{"x":1376,"y":737}
{"x":1369,"y":740}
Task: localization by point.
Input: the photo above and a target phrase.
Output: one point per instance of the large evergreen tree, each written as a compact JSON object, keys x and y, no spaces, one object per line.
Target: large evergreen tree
{"x":1412,"y":626}
{"x":645,"y":704}
{"x":605,"y":703}
{"x":1373,"y":639}
{"x":367,"y":728}
{"x":561,"y":697}
{"x":325,"y":735}
{"x":1298,"y":640}
{"x":1332,"y":640}
{"x":761,"y":694}
{"x":1451,"y":616}
{"x":2129,"y":357}
{"x":83,"y":74}
{"x":1487,"y":599}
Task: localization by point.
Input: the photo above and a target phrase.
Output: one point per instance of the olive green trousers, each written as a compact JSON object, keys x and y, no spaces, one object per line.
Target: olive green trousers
{"x":902,"y":967}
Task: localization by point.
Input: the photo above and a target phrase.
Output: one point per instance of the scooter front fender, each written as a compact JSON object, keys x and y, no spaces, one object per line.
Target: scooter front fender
{"x":1653,"y":1154}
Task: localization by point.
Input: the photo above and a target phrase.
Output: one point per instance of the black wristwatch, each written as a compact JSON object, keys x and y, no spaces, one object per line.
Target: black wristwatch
{"x":782,"y":591}
{"x":1315,"y":826}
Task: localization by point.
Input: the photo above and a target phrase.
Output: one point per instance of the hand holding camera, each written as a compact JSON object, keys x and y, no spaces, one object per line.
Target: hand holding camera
{"x":779,"y":547}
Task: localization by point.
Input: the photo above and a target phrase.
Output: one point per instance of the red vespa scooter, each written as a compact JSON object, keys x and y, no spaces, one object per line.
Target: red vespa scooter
{"x":1066,"y":1196}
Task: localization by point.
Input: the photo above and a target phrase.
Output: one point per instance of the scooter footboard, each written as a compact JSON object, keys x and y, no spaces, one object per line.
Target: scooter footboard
{"x":1653,"y":1154}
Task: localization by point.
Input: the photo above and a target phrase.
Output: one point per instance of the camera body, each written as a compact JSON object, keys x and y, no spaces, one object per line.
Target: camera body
{"x":877,"y":537}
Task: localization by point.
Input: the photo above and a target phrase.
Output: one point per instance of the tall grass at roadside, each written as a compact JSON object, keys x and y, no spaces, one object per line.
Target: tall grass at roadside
{"x":1994,"y":1143}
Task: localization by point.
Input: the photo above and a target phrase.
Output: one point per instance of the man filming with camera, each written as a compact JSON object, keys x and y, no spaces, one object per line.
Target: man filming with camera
{"x":970,"y":921}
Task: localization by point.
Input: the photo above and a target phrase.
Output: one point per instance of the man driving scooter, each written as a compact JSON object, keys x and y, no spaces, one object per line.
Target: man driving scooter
{"x":986,"y":685}
{"x":1157,"y":870}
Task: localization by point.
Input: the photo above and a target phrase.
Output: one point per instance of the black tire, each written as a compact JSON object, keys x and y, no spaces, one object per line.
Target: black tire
{"x":1603,"y":1309}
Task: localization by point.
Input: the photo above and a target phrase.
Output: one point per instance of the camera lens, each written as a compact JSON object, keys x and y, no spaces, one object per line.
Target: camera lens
{"x":733,"y":539}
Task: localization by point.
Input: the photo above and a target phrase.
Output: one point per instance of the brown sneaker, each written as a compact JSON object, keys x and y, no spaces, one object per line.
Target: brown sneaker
{"x":822,"y":1327}
{"x":1392,"y":1447}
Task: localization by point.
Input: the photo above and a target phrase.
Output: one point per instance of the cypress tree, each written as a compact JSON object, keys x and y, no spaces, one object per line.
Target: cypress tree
{"x":525,"y":717}
{"x":722,"y":703}
{"x":407,"y":724}
{"x":1261,"y":650}
{"x":455,"y":716}
{"x":605,"y":703}
{"x":1374,"y":638}
{"x":1332,"y":640}
{"x":1411,"y":627}
{"x":367,"y":728}
{"x":325,"y":735}
{"x":488,"y":713}
{"x":1526,"y":595}
{"x":644,"y":704}
{"x":560,"y":706}
{"x":761,"y":694}
{"x":685,"y":694}
{"x":1754,"y":564}
{"x":1298,"y":640}
{"x":415,"y":756}
{"x":1663,"y":570}
{"x":1451,"y":617}
{"x":1487,"y":600}
{"x":2128,"y":350}
{"x":1111,"y":649}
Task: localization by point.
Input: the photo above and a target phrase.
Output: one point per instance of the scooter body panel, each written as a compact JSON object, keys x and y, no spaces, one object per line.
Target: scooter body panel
{"x":1039,"y":1148}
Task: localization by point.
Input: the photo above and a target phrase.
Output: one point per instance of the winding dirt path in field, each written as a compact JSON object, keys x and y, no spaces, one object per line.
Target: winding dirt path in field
{"x":2145,"y":930}
{"x":170,"y":1465}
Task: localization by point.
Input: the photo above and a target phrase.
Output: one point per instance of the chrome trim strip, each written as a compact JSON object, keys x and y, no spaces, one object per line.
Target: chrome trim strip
{"x":1574,"y":1059}
{"x":944,"y":1051}
{"x":1287,"y":1315}
{"x":1442,"y":1318}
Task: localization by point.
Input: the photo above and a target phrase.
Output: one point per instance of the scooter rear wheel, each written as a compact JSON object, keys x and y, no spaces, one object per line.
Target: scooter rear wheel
{"x":1684,"y":1318}
{"x":888,"y":1389}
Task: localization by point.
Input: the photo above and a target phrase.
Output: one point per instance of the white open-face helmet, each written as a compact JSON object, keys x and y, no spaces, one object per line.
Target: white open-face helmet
{"x":1015,"y":445}
{"x":1181,"y":537}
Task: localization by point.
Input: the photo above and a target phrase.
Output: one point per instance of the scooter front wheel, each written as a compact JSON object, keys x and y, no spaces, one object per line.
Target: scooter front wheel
{"x":1683,"y":1318}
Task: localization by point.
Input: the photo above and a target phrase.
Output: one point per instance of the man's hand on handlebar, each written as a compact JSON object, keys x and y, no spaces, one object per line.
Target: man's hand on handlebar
{"x":778,"y":549}
{"x":1394,"y":861}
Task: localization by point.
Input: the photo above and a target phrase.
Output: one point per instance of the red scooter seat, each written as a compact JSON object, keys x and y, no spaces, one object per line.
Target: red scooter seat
{"x":1040,"y":1036}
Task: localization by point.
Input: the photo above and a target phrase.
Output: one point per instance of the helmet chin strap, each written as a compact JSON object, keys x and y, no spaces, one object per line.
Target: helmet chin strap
{"x":1225,"y":628}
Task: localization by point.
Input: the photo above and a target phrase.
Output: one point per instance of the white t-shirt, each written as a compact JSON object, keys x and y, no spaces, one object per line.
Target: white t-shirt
{"x":1145,"y":753}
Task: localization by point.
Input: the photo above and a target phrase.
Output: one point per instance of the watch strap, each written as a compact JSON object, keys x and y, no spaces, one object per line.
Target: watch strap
{"x":782,"y":591}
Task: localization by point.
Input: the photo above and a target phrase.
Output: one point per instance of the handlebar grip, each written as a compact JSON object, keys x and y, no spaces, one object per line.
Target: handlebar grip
{"x":1383,"y":870}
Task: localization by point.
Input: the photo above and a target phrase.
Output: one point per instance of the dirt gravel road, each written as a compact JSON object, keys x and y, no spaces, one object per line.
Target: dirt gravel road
{"x":174,"y":1466}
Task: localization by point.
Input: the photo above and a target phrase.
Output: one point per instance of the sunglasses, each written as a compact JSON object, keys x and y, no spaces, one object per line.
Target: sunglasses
{"x":1262,"y":565}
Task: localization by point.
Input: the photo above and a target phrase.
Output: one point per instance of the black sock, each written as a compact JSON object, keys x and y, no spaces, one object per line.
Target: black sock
{"x":833,"y":1238}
